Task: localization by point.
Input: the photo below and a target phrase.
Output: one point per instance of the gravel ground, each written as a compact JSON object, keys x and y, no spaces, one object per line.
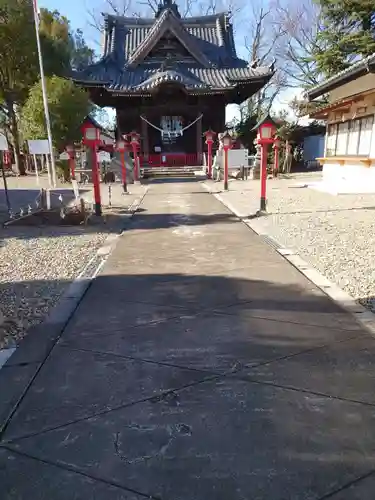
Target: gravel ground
{"x":336,"y":234}
{"x":36,"y":266}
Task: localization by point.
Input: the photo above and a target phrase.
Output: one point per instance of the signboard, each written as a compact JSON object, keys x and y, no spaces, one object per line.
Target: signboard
{"x":3,"y":143}
{"x":104,"y":156}
{"x":39,"y":147}
{"x":237,"y":158}
{"x":64,"y":156}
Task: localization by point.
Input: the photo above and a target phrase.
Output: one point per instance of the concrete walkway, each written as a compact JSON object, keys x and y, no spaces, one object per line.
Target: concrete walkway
{"x":199,"y":366}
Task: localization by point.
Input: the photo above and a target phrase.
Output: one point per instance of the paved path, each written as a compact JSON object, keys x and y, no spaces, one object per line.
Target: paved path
{"x":199,"y":366}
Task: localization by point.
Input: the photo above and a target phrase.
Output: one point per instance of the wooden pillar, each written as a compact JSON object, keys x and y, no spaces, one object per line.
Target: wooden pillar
{"x":199,"y":141}
{"x":145,"y":142}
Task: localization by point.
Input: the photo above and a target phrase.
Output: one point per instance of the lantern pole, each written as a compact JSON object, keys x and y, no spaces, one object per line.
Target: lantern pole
{"x":263,"y":174}
{"x":209,"y":158}
{"x":135,"y":143}
{"x":266,"y":129}
{"x":96,"y":180}
{"x":226,"y":168}
{"x":226,"y":141}
{"x":123,"y":170}
{"x":276,"y":147}
{"x":209,"y":135}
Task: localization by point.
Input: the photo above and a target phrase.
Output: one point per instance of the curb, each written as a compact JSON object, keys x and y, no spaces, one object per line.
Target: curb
{"x":19,"y":368}
{"x":365,"y":317}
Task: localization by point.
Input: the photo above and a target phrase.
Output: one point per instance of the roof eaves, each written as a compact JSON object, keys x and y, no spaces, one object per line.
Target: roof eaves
{"x":129,"y":21}
{"x":356,"y":70}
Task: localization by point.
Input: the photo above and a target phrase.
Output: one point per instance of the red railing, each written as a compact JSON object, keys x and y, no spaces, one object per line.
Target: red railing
{"x":171,"y":160}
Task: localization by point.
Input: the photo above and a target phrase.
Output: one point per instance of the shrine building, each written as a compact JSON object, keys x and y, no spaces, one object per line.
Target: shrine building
{"x":348,"y":111}
{"x":169,"y":78}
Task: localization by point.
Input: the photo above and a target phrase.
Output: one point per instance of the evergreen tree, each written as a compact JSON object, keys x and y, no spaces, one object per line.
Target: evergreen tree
{"x":347,"y":33}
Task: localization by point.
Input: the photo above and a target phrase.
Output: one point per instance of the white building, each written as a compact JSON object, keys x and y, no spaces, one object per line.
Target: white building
{"x":349,"y":156}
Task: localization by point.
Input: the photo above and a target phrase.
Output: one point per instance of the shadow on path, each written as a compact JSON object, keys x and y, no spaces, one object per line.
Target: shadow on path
{"x":173,"y":385}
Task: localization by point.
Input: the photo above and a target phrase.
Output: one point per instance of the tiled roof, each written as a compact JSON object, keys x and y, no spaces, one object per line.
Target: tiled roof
{"x":141,"y":77}
{"x":209,"y":40}
{"x":211,"y":29}
{"x":348,"y":74}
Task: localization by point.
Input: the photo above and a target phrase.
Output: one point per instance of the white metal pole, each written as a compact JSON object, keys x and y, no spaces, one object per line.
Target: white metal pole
{"x":48,"y":170}
{"x":36,"y":169}
{"x":44,"y":91}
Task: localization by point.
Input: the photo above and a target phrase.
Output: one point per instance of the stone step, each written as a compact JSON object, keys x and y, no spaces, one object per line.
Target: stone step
{"x":171,"y":171}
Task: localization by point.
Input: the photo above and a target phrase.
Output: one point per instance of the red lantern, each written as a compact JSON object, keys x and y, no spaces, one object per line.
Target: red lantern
{"x":91,"y":135}
{"x":91,"y":138}
{"x":266,"y":130}
{"x":226,"y":139}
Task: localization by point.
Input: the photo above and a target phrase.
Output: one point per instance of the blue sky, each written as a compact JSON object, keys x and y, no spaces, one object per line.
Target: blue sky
{"x":75,"y":10}
{"x":77,"y":13}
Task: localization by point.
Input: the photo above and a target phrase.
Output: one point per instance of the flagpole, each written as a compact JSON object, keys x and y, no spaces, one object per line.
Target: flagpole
{"x":44,"y":92}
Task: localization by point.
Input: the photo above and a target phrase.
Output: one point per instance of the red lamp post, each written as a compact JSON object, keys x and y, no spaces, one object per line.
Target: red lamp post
{"x":209,"y":136}
{"x":91,"y":138}
{"x":227,"y":144}
{"x":266,"y":131}
{"x":276,"y":148}
{"x":121,"y":147}
{"x":71,"y":152}
{"x":135,"y":143}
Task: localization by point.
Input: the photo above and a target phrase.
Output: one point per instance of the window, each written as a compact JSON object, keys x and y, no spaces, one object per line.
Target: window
{"x":365,"y":135}
{"x":331,"y":140}
{"x":353,"y":139}
{"x":342,"y":138}
{"x":350,"y":138}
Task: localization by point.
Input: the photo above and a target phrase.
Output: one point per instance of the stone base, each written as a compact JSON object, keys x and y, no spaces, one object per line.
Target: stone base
{"x":346,"y":179}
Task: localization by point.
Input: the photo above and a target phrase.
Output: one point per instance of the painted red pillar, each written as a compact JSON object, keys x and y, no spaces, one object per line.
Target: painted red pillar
{"x":226,"y":139}
{"x":226,"y":168}
{"x":276,"y":148}
{"x":135,"y":142}
{"x":96,"y":180}
{"x":209,"y":159}
{"x":266,"y":131}
{"x":263,"y":176}
{"x":209,"y":135}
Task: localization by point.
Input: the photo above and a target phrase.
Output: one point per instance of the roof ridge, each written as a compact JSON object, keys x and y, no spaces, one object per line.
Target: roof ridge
{"x":146,"y":21}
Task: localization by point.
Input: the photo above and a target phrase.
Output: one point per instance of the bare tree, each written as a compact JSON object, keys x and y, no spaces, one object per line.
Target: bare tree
{"x":261,"y":45}
{"x":144,"y":8}
{"x":298,"y":22}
